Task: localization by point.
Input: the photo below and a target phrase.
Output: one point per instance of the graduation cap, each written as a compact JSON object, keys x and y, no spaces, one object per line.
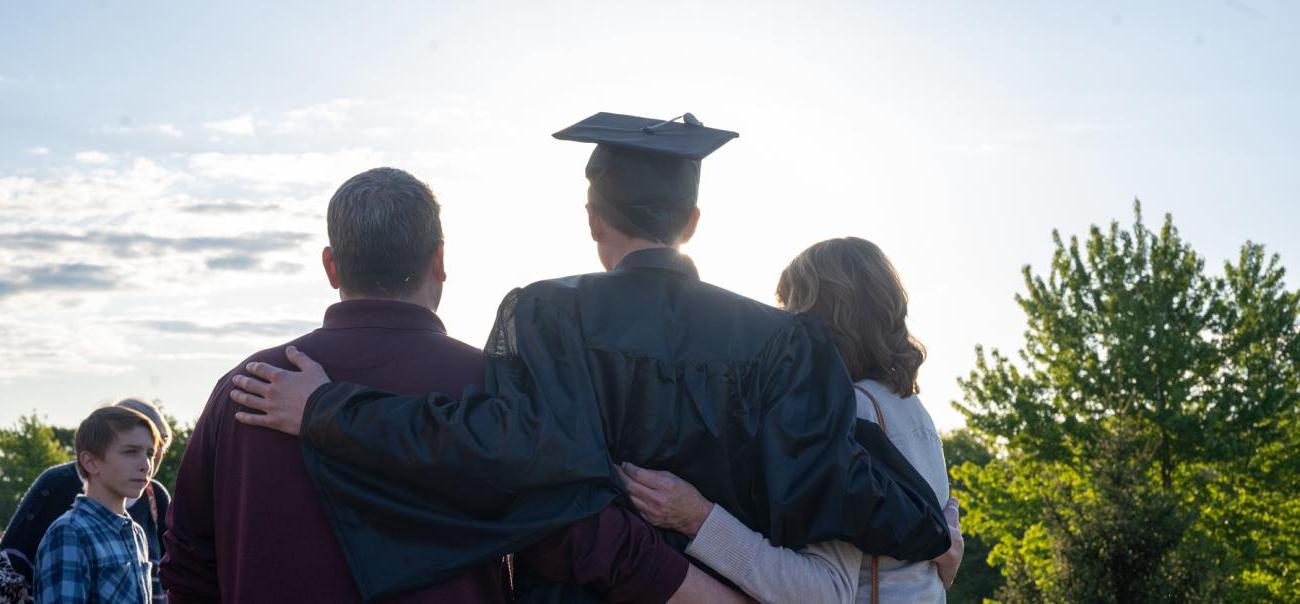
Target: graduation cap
{"x":646,"y":169}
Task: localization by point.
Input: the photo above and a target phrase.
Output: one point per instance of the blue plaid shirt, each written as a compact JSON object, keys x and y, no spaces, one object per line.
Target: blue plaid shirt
{"x":91,"y":554}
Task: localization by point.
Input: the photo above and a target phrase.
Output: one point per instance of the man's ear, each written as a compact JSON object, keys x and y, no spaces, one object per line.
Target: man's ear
{"x":331,"y":270}
{"x":89,"y":462}
{"x":438,"y":267}
{"x":691,"y":223}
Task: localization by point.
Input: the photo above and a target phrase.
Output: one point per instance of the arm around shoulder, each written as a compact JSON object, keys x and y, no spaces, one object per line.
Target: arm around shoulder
{"x":386,"y":432}
{"x":821,"y":572}
{"x":518,"y":433}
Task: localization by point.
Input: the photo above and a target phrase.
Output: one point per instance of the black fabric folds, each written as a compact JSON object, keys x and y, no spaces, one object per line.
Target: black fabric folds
{"x":643,"y":364}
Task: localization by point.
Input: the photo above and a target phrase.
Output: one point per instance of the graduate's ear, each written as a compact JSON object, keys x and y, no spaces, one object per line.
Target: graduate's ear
{"x":597,"y":225}
{"x":691,"y":223}
{"x":331,"y":270}
{"x":438,"y":268}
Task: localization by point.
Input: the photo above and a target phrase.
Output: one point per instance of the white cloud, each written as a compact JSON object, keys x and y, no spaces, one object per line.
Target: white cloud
{"x":167,"y":130}
{"x":94,"y":158}
{"x":84,"y":243}
{"x":379,"y":132}
{"x":177,"y":230}
{"x":272,"y":171}
{"x":978,"y":149}
{"x":131,"y":193}
{"x":13,"y":189}
{"x":65,"y":339}
{"x":1086,"y":128}
{"x":331,"y":114}
{"x":242,"y":125}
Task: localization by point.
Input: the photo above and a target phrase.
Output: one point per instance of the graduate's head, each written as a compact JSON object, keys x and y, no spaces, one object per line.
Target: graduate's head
{"x":852,"y":287}
{"x":644,"y":196}
{"x":150,"y":411}
{"x":385,"y":238}
{"x":644,"y":178}
{"x":115,"y":449}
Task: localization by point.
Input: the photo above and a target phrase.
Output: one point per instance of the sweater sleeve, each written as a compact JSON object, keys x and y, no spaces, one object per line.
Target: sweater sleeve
{"x":821,"y":572}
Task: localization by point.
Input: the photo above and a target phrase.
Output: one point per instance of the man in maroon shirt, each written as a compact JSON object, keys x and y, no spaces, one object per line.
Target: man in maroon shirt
{"x":246,"y":523}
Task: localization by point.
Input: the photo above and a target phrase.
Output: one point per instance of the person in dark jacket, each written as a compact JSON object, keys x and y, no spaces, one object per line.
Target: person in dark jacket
{"x":55,"y":489}
{"x":643,"y":363}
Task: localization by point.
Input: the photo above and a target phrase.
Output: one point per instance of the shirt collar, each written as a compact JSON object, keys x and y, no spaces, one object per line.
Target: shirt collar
{"x":99,"y":512}
{"x":388,"y":314}
{"x":664,"y":258}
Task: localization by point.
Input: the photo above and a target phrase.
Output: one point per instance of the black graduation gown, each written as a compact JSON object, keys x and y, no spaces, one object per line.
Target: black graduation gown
{"x":645,"y":364}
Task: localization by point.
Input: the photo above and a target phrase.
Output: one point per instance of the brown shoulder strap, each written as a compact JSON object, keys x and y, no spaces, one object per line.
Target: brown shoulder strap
{"x":875,"y":560}
{"x":153,"y":506}
{"x":880,"y":417}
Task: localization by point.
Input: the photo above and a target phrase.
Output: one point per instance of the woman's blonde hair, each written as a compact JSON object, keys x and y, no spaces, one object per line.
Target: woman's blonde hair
{"x":851,"y":286}
{"x":155,"y":417}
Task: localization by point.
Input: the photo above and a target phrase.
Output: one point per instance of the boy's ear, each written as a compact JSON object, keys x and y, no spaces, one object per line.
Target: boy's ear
{"x":89,"y":462}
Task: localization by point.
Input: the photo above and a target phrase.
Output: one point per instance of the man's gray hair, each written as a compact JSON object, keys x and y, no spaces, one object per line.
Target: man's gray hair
{"x":384,"y":229}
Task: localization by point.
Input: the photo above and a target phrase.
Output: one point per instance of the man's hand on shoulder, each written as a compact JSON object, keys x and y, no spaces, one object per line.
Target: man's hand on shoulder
{"x":279,"y":394}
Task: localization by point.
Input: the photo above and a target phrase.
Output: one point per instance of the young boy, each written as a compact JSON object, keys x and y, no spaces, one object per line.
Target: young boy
{"x":95,"y":552}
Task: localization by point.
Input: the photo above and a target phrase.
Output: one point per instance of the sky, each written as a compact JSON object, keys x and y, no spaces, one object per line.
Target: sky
{"x":165,"y":166}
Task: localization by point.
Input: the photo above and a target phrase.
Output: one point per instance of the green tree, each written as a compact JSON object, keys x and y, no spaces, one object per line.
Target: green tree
{"x":976,"y":580}
{"x":66,"y":439}
{"x":1146,"y":430}
{"x":26,"y":450}
{"x":171,"y":463}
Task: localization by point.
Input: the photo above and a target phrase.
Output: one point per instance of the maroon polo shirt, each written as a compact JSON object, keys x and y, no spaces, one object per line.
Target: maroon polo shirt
{"x":246,"y":524}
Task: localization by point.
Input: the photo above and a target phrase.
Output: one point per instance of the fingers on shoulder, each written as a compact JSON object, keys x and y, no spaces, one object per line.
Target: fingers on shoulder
{"x":250,"y":385}
{"x":250,"y":400}
{"x":262,"y":370}
{"x":254,"y":419}
{"x":300,"y":359}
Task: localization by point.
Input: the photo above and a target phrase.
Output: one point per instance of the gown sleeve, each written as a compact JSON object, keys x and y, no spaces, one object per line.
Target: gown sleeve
{"x":420,"y":487}
{"x":887,"y":507}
